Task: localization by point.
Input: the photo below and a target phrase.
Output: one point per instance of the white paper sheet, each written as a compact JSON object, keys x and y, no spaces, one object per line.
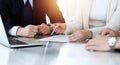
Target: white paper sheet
{"x":56,"y":38}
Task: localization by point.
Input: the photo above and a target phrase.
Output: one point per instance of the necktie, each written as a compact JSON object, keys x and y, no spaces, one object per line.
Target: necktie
{"x":27,"y":14}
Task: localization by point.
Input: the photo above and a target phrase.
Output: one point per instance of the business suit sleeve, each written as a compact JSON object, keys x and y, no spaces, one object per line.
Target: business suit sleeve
{"x":13,"y":17}
{"x":3,"y":10}
{"x":8,"y":24}
{"x":53,"y":12}
{"x":5,"y":14}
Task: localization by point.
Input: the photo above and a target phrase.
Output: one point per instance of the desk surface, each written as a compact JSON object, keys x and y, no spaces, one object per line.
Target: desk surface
{"x":57,"y":54}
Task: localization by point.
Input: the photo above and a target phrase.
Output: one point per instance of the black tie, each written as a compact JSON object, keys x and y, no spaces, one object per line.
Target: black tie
{"x":27,"y":14}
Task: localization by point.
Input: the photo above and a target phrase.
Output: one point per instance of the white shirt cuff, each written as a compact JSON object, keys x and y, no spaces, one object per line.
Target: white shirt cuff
{"x":13,"y":30}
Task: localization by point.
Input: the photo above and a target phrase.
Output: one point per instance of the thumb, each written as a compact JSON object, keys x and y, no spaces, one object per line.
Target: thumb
{"x":105,"y":33}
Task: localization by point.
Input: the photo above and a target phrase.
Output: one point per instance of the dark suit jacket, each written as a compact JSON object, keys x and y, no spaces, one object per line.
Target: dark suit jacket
{"x":40,"y":9}
{"x":3,"y":9}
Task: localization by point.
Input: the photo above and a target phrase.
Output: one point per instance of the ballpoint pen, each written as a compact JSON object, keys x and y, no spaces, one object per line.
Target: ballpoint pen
{"x":53,"y":30}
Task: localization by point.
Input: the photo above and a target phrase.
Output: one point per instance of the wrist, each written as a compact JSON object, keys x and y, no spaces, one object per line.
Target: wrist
{"x":112,"y":42}
{"x":19,"y":30}
{"x":117,"y":45}
{"x":89,"y":34}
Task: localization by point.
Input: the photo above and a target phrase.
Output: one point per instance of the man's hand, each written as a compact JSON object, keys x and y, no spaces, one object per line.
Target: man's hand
{"x":80,"y":35}
{"x":44,"y":29}
{"x":28,"y":31}
{"x":99,"y":43}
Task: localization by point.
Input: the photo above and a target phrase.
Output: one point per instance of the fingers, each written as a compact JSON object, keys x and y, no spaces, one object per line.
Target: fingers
{"x":59,"y":27}
{"x":53,"y":25}
{"x":31,"y":30}
{"x":30,"y":35}
{"x":77,"y":36}
{"x":28,"y":31}
{"x":105,"y":33}
{"x":91,"y":42}
{"x":99,"y":43}
{"x":91,"y":45}
{"x":109,"y":32}
{"x":59,"y":30}
{"x":44,"y":29}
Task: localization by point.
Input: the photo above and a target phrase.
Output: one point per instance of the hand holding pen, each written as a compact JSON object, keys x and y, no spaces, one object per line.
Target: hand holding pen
{"x":58,"y":28}
{"x":53,"y":31}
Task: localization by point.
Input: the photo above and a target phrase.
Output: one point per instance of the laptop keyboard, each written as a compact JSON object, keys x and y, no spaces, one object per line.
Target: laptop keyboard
{"x":13,"y":41}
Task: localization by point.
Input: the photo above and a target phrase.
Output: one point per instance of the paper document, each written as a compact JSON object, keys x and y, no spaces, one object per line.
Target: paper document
{"x":56,"y":38}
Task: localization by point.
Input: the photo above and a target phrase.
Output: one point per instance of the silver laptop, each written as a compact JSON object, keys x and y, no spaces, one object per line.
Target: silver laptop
{"x":14,"y":43}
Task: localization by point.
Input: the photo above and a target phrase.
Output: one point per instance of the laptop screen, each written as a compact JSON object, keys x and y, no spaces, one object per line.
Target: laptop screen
{"x":3,"y":36}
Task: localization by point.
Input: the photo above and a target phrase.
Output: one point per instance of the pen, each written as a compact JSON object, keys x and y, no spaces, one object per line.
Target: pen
{"x":53,"y":31}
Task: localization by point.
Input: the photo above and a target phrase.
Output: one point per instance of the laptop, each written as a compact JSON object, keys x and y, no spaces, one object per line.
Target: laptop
{"x":15,"y":43}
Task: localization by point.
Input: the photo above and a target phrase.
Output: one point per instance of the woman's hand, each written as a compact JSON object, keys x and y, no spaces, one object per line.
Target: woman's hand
{"x":99,"y":43}
{"x":59,"y":27}
{"x":110,"y":32}
{"x":80,"y":35}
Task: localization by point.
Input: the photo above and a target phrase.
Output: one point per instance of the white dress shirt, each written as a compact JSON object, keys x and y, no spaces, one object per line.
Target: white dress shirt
{"x":14,"y":29}
{"x":98,"y":13}
{"x":31,"y":2}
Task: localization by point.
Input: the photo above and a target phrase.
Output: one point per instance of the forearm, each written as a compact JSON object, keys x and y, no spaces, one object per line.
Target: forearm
{"x":8,"y":25}
{"x":54,"y":12}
